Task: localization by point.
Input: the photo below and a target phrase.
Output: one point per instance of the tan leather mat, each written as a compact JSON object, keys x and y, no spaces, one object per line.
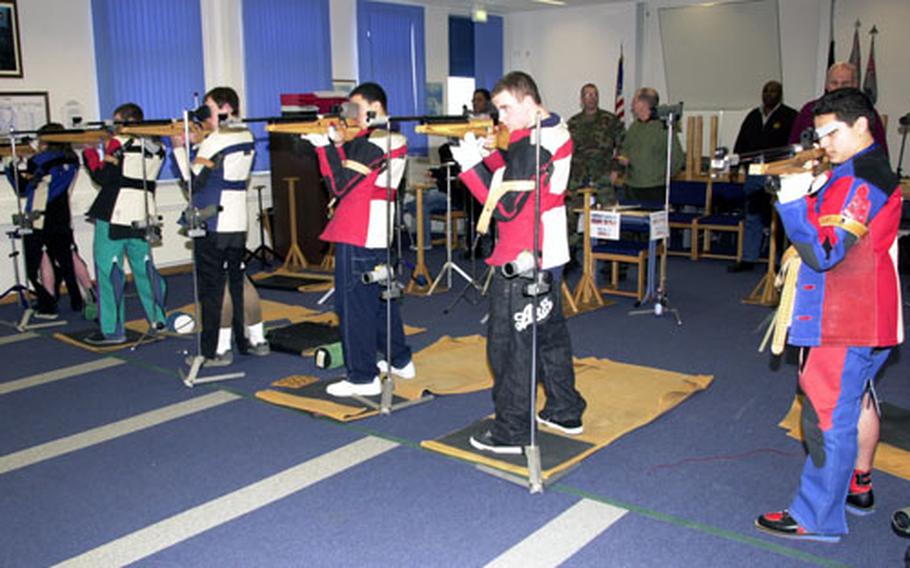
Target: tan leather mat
{"x":888,"y":457}
{"x":77,"y":338}
{"x":275,"y":311}
{"x":620,"y":398}
{"x":308,"y":394}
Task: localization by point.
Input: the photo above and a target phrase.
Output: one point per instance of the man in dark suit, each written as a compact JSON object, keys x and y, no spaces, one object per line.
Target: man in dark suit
{"x":767,"y":126}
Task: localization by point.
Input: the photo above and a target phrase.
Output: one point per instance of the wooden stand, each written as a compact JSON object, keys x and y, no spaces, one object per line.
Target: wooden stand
{"x":420,"y":269}
{"x":328,"y":261}
{"x":294,"y":261}
{"x":765,"y":292}
{"x":586,"y":293}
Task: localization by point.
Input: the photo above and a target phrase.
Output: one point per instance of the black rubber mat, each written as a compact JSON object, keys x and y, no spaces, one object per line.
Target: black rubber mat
{"x":283,"y":282}
{"x":301,"y":338}
{"x":554,"y":449}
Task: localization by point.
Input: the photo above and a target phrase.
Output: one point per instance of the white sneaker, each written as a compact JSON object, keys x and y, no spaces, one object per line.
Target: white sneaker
{"x":406,"y":372}
{"x":346,"y":388}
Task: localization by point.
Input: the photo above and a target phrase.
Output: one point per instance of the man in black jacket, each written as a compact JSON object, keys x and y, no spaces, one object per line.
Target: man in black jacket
{"x":767,"y":126}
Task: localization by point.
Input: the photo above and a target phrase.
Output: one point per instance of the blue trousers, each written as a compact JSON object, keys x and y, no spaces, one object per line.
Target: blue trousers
{"x":362,"y":314}
{"x":756,"y":210}
{"x":433,"y":202}
{"x":834,"y":380}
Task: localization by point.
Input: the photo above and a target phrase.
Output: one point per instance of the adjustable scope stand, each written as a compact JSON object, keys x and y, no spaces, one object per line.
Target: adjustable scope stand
{"x":392,"y":292}
{"x":152,"y":227}
{"x":534,"y":482}
{"x":659,"y":297}
{"x":24,"y":226}
{"x":196,"y":229}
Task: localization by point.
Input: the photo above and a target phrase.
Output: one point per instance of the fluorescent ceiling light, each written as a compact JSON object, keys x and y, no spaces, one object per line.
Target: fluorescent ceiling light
{"x":551,"y":2}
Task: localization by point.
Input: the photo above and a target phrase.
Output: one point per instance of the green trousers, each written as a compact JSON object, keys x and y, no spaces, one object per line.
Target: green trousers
{"x":111,"y":279}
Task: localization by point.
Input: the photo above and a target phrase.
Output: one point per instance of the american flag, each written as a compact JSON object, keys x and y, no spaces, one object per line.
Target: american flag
{"x":619,"y":107}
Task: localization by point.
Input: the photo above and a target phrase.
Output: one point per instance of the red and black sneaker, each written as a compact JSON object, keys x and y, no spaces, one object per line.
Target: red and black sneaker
{"x":860,"y":499}
{"x":781,"y":524}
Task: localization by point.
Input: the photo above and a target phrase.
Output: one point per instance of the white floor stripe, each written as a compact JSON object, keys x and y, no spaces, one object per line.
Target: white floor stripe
{"x":556,"y":541}
{"x":59,"y":447}
{"x":15,"y":337}
{"x":58,"y":374}
{"x":192,"y":522}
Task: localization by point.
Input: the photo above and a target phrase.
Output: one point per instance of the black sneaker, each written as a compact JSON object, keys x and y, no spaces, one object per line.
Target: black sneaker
{"x":486,"y":443}
{"x":860,"y":499}
{"x":742,"y":266}
{"x":781,"y":524}
{"x":570,"y":427}
{"x":98,"y":338}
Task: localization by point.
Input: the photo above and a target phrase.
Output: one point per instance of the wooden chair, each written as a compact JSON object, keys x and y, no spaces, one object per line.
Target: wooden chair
{"x":628,"y":252}
{"x":687,"y":203}
{"x":459,"y":218}
{"x":728,"y":222}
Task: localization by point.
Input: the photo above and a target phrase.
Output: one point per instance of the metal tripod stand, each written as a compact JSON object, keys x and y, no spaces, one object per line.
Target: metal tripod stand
{"x":263,"y":251}
{"x":659,"y":296}
{"x":196,"y":230}
{"x":450,"y":264}
{"x":23,"y":228}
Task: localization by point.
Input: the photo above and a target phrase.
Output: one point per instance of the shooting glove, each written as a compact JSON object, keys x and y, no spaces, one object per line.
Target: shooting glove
{"x":797,"y":186}
{"x":469,"y":152}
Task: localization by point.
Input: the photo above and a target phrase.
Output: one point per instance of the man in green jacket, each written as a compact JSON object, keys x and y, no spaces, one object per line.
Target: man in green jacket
{"x":644,"y":152}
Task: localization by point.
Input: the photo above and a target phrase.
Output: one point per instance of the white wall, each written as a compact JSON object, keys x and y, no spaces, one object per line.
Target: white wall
{"x":580,"y":45}
{"x":892,"y":47}
{"x":566,"y":48}
{"x":343,"y":14}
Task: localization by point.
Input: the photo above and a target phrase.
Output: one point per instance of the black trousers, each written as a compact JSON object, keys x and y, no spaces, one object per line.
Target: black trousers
{"x":509,"y":355}
{"x":59,"y":247}
{"x":217,"y":263}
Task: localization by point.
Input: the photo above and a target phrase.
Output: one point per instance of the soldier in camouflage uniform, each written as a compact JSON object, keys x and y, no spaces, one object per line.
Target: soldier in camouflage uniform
{"x":595,"y":133}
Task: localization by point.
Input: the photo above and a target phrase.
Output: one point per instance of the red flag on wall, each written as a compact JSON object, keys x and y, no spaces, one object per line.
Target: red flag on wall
{"x":870,"y":85}
{"x":619,"y":105}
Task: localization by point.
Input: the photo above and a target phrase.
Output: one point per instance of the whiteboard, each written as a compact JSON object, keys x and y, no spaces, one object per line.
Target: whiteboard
{"x":718,"y":56}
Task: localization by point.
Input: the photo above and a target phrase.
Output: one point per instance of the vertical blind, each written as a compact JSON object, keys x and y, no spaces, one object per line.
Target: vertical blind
{"x":148,"y":53}
{"x":488,"y":52}
{"x":390,"y":51}
{"x":287,"y":49}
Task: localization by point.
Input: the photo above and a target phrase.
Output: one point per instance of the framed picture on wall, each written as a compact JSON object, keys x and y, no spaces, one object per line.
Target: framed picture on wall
{"x":10,"y":52}
{"x":23,"y":111}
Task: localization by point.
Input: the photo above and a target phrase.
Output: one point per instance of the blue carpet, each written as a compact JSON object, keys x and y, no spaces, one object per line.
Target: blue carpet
{"x":695,"y":478}
{"x":78,"y":501}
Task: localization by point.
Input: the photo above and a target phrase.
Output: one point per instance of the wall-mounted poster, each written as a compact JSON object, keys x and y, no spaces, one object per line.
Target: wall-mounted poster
{"x":10,"y":53}
{"x":23,"y":111}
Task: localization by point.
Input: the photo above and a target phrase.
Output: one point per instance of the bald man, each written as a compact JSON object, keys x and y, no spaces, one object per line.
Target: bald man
{"x":839,"y":76}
